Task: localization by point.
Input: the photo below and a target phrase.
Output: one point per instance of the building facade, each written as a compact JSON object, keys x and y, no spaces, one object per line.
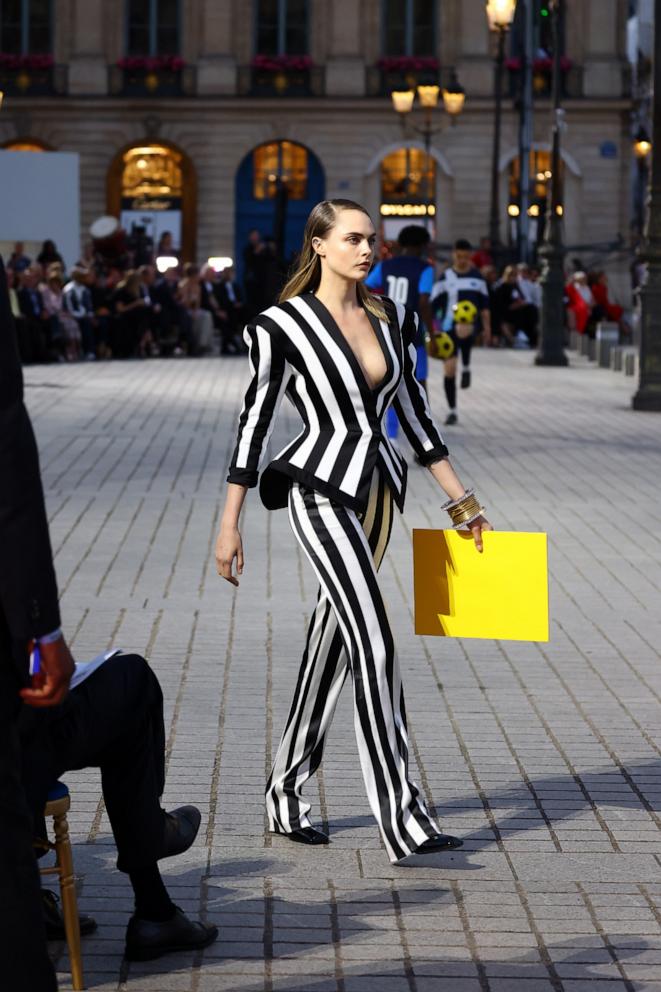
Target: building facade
{"x":225,"y":115}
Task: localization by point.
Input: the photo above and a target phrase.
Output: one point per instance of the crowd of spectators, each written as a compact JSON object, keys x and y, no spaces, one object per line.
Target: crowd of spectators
{"x":516,"y":300}
{"x":102,"y":310}
{"x":126,"y":308}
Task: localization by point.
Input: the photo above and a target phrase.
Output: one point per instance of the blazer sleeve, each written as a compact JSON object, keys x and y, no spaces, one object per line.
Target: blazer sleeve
{"x":410,"y":401}
{"x":28,"y":590}
{"x":260,"y":406}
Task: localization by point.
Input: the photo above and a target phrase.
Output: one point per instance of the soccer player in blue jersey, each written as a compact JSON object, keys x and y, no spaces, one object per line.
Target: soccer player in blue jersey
{"x":460,"y":281}
{"x":408,"y":278}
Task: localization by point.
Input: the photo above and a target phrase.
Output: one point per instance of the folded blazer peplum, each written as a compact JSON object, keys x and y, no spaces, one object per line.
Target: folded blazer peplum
{"x":297,"y":349}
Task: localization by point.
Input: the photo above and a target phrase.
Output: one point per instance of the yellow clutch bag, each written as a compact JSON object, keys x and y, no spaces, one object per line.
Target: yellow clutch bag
{"x":499,"y":594}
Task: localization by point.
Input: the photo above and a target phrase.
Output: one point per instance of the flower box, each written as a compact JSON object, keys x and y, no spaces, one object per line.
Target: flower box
{"x":283,"y":75}
{"x":542,"y":74}
{"x":27,"y":75}
{"x":402,"y":72}
{"x":147,"y":75}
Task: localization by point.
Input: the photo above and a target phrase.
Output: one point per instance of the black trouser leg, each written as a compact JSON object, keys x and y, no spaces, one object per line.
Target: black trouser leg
{"x":113,"y":721}
{"x":87,"y":335}
{"x":24,"y":962}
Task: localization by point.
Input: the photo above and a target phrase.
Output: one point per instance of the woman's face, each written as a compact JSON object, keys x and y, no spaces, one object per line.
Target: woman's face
{"x":348,"y":248}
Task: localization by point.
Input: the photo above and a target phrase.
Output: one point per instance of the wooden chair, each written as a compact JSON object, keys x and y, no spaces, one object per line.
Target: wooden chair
{"x":57,"y":806}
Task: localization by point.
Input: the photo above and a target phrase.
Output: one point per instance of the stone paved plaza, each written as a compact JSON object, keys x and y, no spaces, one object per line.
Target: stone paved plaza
{"x":545,"y":758}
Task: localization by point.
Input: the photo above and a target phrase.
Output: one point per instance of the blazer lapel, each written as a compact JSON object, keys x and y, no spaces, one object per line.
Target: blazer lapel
{"x":331,"y":326}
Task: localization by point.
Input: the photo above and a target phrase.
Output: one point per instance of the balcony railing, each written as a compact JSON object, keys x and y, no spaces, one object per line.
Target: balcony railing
{"x":256,"y":82}
{"x":34,"y":81}
{"x":156,"y":82}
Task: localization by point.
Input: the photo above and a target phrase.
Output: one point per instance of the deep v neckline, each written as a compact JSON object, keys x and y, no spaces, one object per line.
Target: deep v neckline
{"x":331,"y":323}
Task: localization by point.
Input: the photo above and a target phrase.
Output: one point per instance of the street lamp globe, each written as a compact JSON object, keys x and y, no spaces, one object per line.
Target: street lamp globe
{"x":454,"y":96}
{"x":642,"y":145}
{"x":402,"y":100}
{"x":500,"y":14}
{"x":428,"y":96}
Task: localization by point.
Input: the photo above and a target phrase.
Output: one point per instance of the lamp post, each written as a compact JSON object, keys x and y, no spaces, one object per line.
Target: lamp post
{"x":648,"y":396}
{"x":500,"y":14}
{"x":552,"y":251}
{"x":453,"y":102}
{"x":642,"y":146}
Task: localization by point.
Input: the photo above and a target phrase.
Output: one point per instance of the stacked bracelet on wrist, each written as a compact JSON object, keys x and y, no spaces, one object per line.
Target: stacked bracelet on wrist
{"x":465,"y":510}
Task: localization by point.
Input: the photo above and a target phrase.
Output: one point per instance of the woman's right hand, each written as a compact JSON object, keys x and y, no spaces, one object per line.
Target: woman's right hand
{"x":228,"y":547}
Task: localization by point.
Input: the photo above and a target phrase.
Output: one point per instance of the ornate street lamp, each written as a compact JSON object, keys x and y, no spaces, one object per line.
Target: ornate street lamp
{"x":500,"y":14}
{"x":552,"y":251}
{"x":453,"y":101}
{"x":648,"y":396}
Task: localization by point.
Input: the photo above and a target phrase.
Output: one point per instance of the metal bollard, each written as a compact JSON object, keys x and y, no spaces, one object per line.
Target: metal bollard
{"x":608,"y":335}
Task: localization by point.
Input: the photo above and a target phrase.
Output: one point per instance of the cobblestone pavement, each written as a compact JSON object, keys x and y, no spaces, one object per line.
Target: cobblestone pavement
{"x":545,"y":758}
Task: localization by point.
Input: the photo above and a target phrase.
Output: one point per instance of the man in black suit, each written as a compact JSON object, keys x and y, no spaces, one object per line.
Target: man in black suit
{"x":113,"y":720}
{"x":163,"y":293}
{"x":231,"y":299}
{"x":214,"y":300}
{"x":28,"y":609}
{"x":41,"y":330}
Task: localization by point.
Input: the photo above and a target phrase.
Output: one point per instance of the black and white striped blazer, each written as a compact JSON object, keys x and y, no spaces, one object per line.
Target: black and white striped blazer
{"x":297,"y":348}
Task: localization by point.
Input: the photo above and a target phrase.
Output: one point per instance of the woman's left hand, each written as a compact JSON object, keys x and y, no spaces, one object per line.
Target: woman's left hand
{"x":477,"y":528}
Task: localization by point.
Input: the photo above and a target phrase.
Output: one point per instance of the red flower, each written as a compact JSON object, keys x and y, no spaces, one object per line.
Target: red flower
{"x":10,"y":61}
{"x":408,"y":63}
{"x":282,"y":63}
{"x":152,"y":63}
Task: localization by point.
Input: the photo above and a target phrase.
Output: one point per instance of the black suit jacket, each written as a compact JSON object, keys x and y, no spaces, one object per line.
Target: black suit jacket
{"x":28,"y":590}
{"x":27,"y":298}
{"x":224,"y":298}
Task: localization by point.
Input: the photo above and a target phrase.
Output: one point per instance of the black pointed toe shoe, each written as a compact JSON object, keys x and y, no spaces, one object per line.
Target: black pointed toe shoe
{"x":148,"y":939}
{"x":439,"y":842}
{"x":304,"y":835}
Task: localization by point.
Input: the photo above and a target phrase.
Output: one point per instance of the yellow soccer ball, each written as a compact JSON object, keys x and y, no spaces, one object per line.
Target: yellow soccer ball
{"x":464,"y":312}
{"x":442,"y":346}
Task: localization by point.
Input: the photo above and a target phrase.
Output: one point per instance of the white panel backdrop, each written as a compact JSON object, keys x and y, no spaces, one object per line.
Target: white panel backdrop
{"x":39,"y":199}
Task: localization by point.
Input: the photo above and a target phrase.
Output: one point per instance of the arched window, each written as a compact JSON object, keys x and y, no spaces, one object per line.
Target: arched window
{"x":540,"y":183}
{"x":540,"y":190}
{"x":26,"y":27}
{"x":152,"y":189}
{"x":153,"y":27}
{"x":277,"y":163}
{"x":26,"y":145}
{"x":407,"y":178}
{"x":409,"y":27}
{"x":277,"y":185}
{"x":282,"y":27}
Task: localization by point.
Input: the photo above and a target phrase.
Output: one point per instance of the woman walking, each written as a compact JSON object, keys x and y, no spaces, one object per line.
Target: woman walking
{"x":343,"y":357}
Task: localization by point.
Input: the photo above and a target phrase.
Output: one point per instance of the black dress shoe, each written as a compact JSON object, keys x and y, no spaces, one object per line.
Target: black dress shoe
{"x":149,"y":939}
{"x":451,"y":419}
{"x":304,"y":835}
{"x":181,"y":827}
{"x":54,"y":921}
{"x":439,"y":842}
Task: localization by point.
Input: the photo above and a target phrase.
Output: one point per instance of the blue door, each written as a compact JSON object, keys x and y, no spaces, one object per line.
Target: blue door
{"x":256,"y":180}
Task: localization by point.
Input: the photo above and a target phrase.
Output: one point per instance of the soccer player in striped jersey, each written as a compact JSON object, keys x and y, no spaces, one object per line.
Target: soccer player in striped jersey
{"x":461,"y":281}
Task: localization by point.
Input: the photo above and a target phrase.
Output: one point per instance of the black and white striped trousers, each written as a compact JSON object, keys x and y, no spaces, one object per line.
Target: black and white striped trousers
{"x":349,"y":631}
